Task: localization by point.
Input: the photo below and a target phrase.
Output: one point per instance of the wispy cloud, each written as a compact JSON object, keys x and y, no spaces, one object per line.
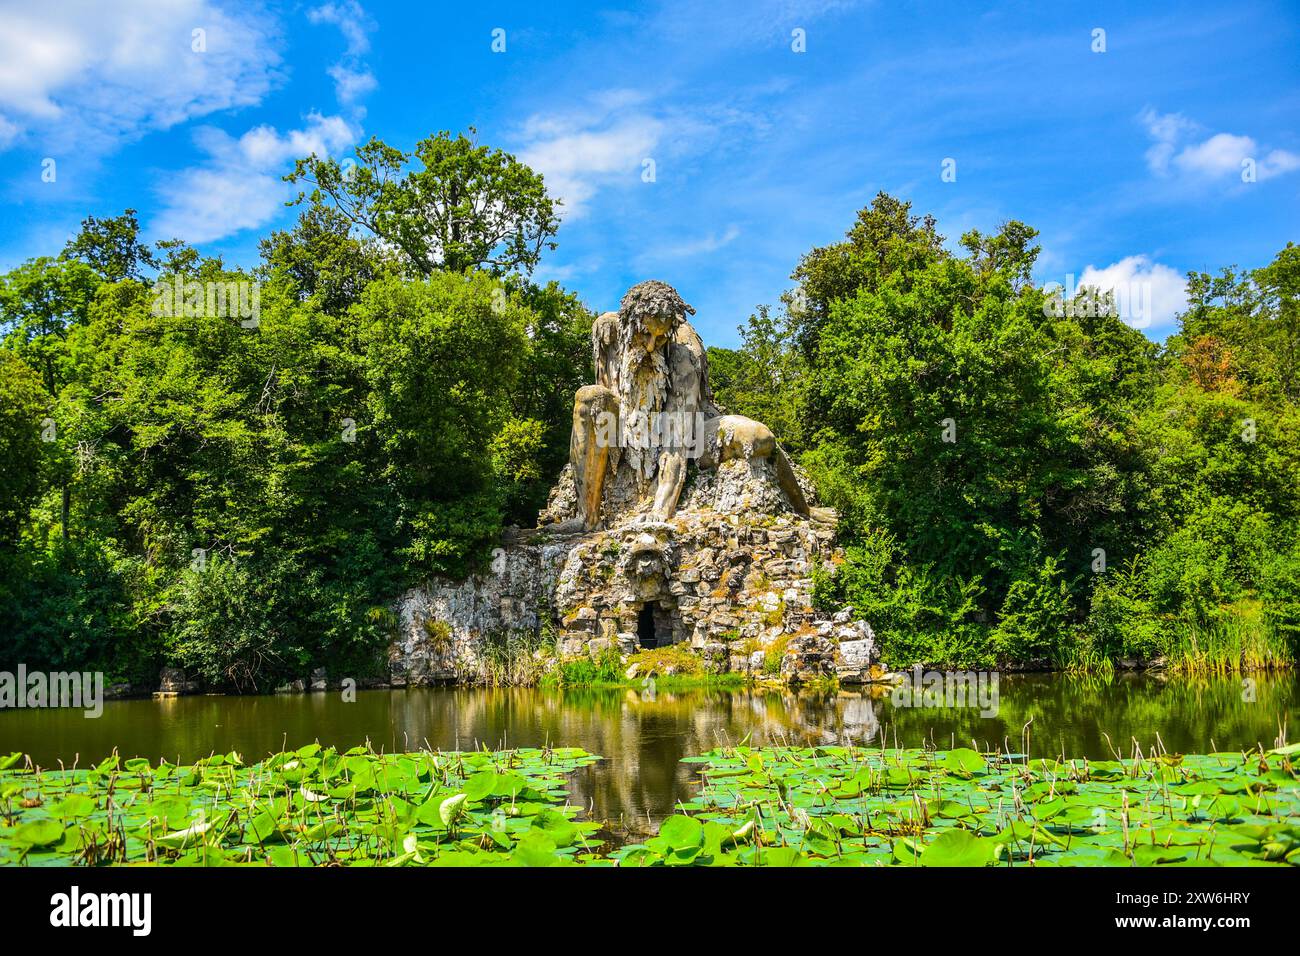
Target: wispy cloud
{"x":694,"y":247}
{"x":351,"y":83}
{"x":580,"y":152}
{"x":756,"y":22}
{"x":351,"y":20}
{"x":352,"y":78}
{"x":238,"y":186}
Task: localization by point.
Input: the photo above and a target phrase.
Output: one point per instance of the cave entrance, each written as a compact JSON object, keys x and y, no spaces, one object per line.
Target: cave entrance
{"x":654,"y":626}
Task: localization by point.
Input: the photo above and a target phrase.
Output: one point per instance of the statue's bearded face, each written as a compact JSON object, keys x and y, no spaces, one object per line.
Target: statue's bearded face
{"x":653,"y":333}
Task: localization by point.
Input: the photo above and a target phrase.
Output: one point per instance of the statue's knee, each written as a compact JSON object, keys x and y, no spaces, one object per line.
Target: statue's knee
{"x":741,"y":437}
{"x":595,"y":413}
{"x":592,"y":399}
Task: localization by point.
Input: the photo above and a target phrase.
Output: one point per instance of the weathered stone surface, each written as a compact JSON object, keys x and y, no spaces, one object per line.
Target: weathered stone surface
{"x":808,"y":656}
{"x":860,"y":654}
{"x":709,"y":541}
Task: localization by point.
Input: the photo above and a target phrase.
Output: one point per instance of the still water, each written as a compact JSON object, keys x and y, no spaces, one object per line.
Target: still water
{"x":643,"y":736}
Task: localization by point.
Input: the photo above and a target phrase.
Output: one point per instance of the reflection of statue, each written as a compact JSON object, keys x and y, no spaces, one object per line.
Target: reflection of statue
{"x":651,"y":411}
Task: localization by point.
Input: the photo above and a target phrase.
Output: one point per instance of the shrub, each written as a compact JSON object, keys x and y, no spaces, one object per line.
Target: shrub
{"x":1035,"y":622}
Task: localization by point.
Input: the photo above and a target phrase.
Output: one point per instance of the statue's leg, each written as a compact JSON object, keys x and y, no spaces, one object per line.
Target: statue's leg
{"x":789,"y":483}
{"x":672,"y":477}
{"x":595,"y":430}
{"x":735,"y":436}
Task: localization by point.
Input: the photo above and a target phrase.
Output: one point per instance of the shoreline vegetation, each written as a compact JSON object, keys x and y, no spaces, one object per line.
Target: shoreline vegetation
{"x":687,"y":672}
{"x":771,"y":806}
{"x":1022,"y":478}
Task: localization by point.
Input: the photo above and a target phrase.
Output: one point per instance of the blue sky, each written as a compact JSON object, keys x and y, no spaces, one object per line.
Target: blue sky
{"x":1129,"y":161}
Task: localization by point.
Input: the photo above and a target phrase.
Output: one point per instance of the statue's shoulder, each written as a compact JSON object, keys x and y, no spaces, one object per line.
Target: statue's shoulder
{"x":685,"y":336}
{"x":604,"y":327}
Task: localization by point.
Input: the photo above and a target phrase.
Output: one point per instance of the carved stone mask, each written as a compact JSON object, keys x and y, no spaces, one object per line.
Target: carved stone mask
{"x":647,"y":563}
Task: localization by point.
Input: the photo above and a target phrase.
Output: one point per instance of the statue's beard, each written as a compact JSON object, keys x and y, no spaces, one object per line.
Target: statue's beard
{"x":642,"y":393}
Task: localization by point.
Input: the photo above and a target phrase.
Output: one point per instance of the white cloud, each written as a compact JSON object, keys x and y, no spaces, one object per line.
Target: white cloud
{"x":578,"y":153}
{"x":89,"y":74}
{"x":239,"y":186}
{"x":1165,"y":129}
{"x":1221,"y":153}
{"x":351,"y":20}
{"x":205,"y":204}
{"x":1277,"y":162}
{"x":352,"y":79}
{"x":8,"y":133}
{"x":263,"y":147}
{"x":351,"y":84}
{"x":1218,"y":156}
{"x":1149,"y":294}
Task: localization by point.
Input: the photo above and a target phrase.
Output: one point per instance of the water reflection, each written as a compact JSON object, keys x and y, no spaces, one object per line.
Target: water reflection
{"x":644,"y":736}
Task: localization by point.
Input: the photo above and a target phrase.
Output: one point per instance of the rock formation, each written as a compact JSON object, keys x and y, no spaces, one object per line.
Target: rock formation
{"x":673,"y":522}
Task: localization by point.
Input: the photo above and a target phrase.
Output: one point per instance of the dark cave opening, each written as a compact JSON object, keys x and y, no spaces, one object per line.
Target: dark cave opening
{"x":645,"y":627}
{"x":657,"y":624}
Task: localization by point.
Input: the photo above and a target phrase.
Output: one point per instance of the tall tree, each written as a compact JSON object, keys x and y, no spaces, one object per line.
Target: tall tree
{"x":464,"y":206}
{"x":112,"y":247}
{"x":23,"y":405}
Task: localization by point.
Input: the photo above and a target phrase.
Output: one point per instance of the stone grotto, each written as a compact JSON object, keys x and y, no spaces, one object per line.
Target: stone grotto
{"x":673,"y":523}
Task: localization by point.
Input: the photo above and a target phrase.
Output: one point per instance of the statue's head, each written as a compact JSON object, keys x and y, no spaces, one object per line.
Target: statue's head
{"x":649,"y":314}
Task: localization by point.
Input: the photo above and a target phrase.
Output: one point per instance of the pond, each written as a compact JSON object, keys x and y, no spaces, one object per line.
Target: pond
{"x":644,"y":735}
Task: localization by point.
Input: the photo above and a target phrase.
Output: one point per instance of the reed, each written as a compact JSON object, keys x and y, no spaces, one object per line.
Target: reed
{"x":1236,"y":638}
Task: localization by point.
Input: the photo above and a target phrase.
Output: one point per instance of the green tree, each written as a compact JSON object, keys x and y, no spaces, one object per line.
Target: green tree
{"x":111,"y":247}
{"x":321,"y":258}
{"x":23,"y":407}
{"x":886,"y":240}
{"x":442,"y":358}
{"x":765,"y":379}
{"x":465,"y":206}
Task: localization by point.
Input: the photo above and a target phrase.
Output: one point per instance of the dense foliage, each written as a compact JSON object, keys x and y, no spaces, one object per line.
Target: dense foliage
{"x":236,"y":471}
{"x":240,"y":485}
{"x":1026,"y":479}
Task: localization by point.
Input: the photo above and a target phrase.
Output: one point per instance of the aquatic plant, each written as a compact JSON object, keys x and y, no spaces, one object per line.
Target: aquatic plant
{"x":849,"y":806}
{"x":309,"y":807}
{"x":776,"y":806}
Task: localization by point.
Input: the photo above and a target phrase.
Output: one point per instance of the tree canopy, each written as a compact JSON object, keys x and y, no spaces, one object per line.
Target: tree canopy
{"x":246,"y":499}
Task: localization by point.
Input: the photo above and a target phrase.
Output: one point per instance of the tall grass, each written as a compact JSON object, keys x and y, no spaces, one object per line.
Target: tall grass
{"x":1236,"y":638}
{"x":1082,"y":659}
{"x":510,"y":659}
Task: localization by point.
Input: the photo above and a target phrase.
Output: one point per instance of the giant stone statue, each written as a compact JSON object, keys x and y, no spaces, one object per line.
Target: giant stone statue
{"x":673,"y":523}
{"x":651,"y":414}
